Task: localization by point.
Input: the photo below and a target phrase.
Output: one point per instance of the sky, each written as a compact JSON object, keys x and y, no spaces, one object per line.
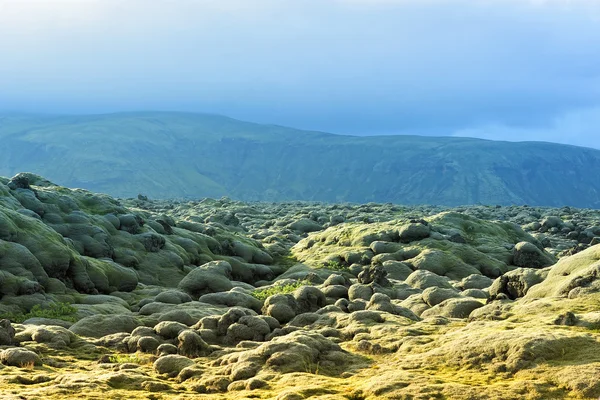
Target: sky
{"x":494,"y":69}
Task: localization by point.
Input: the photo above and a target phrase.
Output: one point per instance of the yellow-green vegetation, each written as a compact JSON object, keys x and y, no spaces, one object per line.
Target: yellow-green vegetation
{"x":429,"y":304}
{"x":335,"y":266}
{"x":130,"y":358}
{"x":62,"y":311}
{"x":264,"y":293}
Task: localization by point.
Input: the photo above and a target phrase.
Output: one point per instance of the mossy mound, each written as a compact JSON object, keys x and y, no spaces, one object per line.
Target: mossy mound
{"x":447,"y":244}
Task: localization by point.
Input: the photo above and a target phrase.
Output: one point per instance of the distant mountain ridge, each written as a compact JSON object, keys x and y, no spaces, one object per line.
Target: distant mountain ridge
{"x":175,"y":155}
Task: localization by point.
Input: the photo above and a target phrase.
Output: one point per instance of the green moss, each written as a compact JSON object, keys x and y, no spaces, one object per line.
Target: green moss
{"x":335,"y":266}
{"x":263,"y":294}
{"x":63,"y":311}
{"x":285,"y":261}
{"x":128,"y":359}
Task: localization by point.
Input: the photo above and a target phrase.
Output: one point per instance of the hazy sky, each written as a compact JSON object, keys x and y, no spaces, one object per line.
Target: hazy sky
{"x":498,"y":69}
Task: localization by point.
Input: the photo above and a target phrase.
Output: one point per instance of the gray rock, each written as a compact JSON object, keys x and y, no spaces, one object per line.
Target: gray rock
{"x":211,"y":277}
{"x":413,"y":231}
{"x":173,"y":297}
{"x":19,"y":357}
{"x":169,"y":329}
{"x":516,"y":283}
{"x":527,"y":255}
{"x":7,"y":333}
{"x":103,"y":325}
{"x":453,"y":308}
{"x":422,"y":279}
{"x":190,"y":344}
{"x":233,"y":298}
{"x":172,"y":364}
{"x":435,"y":295}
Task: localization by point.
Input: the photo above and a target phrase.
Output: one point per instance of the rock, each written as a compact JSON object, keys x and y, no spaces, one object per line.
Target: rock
{"x":527,"y":255}
{"x":232,"y":298}
{"x":396,"y":270}
{"x":571,"y":276}
{"x":299,"y":351}
{"x":308,"y":299}
{"x":192,"y":345}
{"x":53,"y":336}
{"x":335,"y":291}
{"x":566,"y":319}
{"x":282,"y":307}
{"x":103,"y":325}
{"x":212,"y":277}
{"x":382,"y":302}
{"x":305,"y":225}
{"x":336,"y":280}
{"x":475,"y":281}
{"x":374,"y":274}
{"x":360,"y":291}
{"x":248,"y":327}
{"x":172,"y":365}
{"x":435,"y":295}
{"x":19,"y":357}
{"x":416,"y":304}
{"x":169,"y":329}
{"x":173,"y":297}
{"x":381,"y":247}
{"x":166,"y":349}
{"x":552,"y":222}
{"x":7,"y":333}
{"x":453,"y":308}
{"x":232,"y":316}
{"x":147,"y":344}
{"x":412,"y":232}
{"x":178,"y":316}
{"x":151,"y":241}
{"x":475,"y":293}
{"x":422,"y":279}
{"x":516,"y":283}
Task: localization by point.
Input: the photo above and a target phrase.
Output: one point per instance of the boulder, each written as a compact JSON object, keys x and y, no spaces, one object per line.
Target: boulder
{"x":211,"y":277}
{"x":413,"y":231}
{"x":516,"y":283}
{"x":7,"y":333}
{"x":171,"y":365}
{"x":19,"y":357}
{"x":190,"y":344}
{"x":453,"y":308}
{"x":435,"y":295}
{"x":422,"y":279}
{"x":173,"y":297}
{"x":527,"y":255}
{"x":232,"y":298}
{"x":103,"y":325}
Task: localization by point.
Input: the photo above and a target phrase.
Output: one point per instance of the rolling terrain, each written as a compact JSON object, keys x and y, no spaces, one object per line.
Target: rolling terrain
{"x":103,"y":298}
{"x":179,"y":155}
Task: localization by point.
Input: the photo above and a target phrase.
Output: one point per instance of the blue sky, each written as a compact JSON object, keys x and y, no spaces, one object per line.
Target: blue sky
{"x":497,"y":69}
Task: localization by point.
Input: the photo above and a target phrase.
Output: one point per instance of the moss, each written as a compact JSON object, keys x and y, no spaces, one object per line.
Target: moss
{"x":263,"y":294}
{"x":63,"y":311}
{"x":130,"y":359}
{"x":335,"y":266}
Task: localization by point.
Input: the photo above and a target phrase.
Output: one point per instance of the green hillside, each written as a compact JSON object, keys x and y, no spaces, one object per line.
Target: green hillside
{"x":175,"y":155}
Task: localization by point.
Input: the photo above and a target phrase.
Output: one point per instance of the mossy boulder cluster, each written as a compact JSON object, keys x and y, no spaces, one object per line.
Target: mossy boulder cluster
{"x":293,"y":300}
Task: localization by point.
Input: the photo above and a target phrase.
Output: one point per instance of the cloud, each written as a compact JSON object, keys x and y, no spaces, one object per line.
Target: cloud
{"x":347,"y":66}
{"x":579,"y":127}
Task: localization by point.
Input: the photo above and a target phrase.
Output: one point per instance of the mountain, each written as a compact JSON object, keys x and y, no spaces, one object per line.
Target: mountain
{"x":182,"y":155}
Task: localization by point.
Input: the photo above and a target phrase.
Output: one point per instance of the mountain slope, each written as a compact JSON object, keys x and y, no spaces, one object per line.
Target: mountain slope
{"x":173,"y":155}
